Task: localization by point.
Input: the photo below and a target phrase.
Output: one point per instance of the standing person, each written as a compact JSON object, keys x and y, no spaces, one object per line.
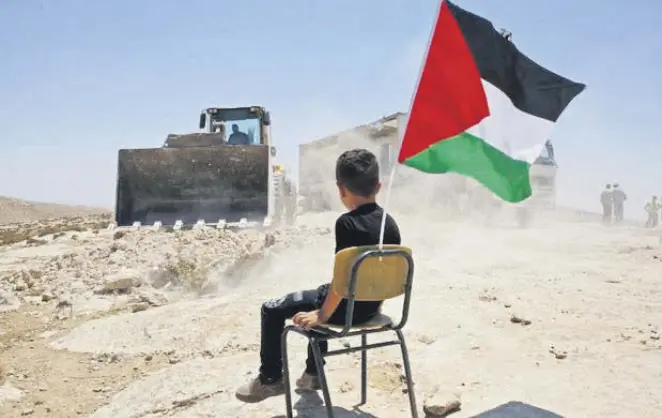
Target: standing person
{"x":607,"y":201}
{"x":619,"y":197}
{"x":357,"y":178}
{"x":653,"y":207}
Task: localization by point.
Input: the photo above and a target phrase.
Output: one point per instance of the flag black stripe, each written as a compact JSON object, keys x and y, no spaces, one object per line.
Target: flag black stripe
{"x":532,"y":88}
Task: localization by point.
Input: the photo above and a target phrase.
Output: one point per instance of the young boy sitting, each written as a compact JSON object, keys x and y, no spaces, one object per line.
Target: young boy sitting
{"x":357,"y":177}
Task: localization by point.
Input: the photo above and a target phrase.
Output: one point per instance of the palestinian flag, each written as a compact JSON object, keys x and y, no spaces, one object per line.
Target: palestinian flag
{"x":482,"y":108}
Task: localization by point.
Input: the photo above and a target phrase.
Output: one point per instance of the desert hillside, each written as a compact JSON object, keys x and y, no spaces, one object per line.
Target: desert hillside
{"x":17,"y":210}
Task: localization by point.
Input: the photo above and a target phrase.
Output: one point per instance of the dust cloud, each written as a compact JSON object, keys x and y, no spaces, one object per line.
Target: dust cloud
{"x":413,"y":193}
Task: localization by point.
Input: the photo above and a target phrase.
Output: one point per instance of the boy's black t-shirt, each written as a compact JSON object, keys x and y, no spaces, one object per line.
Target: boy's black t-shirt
{"x":361,"y":226}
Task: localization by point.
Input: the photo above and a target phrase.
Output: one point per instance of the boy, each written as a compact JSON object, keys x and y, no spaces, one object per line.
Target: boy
{"x":357,"y":178}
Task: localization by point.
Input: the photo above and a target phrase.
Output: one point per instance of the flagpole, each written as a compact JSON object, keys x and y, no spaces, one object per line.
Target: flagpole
{"x":389,"y":186}
{"x":401,"y":131}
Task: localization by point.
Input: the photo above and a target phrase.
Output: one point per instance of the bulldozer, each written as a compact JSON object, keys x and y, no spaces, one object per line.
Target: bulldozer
{"x":225,"y":174}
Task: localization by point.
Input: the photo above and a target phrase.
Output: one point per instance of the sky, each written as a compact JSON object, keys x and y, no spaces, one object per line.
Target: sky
{"x":80,"y":79}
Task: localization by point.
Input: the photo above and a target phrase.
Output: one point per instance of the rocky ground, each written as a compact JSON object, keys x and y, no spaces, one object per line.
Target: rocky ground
{"x":153,"y":323}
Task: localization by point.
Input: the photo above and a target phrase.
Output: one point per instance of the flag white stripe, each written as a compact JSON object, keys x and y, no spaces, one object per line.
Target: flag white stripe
{"x":518,"y":134}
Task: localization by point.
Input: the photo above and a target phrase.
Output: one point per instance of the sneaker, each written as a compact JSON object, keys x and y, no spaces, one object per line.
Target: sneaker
{"x":255,"y":391}
{"x":308,"y":382}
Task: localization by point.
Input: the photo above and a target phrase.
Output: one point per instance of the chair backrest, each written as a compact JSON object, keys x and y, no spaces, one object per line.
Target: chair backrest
{"x":373,"y":274}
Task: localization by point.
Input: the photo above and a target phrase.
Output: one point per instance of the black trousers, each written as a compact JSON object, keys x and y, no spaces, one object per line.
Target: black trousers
{"x":274,"y":314}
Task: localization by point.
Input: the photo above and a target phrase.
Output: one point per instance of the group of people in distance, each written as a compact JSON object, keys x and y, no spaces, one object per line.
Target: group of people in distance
{"x":613,"y":199}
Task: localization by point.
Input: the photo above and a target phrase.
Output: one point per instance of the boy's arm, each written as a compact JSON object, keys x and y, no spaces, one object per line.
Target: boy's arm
{"x":332,"y":299}
{"x":308,"y":320}
{"x":329,"y":306}
{"x":320,"y":316}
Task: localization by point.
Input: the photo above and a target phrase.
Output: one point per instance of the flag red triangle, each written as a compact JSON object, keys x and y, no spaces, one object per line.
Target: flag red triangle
{"x":449,"y":97}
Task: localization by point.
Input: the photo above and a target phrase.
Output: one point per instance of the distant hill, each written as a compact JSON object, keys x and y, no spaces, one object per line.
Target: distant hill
{"x":17,"y":210}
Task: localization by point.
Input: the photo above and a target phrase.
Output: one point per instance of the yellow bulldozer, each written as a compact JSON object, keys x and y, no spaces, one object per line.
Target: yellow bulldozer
{"x":224,"y":175}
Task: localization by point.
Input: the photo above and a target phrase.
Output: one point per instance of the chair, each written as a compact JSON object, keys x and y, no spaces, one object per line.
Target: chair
{"x":364,"y":273}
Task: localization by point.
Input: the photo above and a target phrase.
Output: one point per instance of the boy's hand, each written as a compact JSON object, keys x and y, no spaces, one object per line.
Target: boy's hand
{"x":308,"y":320}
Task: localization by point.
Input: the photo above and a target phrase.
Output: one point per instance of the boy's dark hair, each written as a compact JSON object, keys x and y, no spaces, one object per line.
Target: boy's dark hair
{"x":358,"y":171}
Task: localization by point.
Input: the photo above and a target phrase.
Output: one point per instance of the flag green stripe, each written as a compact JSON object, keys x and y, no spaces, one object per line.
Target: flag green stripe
{"x":469,"y":155}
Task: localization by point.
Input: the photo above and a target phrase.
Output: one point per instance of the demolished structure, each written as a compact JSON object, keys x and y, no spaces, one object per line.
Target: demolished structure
{"x":381,"y":137}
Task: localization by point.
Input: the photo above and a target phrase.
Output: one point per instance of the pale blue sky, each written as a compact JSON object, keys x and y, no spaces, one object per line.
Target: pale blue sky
{"x":81,"y":78}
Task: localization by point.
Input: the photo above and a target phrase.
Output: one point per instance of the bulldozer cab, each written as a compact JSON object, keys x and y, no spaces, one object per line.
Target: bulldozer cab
{"x":249,"y":121}
{"x":226,"y":126}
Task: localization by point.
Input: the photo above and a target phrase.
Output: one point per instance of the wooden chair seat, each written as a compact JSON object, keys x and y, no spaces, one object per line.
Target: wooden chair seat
{"x":379,"y":321}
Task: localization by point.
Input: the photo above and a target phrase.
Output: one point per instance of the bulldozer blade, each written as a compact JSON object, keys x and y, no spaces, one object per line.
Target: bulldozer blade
{"x":165,"y":185}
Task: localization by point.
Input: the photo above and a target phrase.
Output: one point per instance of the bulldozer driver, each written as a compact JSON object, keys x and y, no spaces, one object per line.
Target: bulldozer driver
{"x":237,"y":137}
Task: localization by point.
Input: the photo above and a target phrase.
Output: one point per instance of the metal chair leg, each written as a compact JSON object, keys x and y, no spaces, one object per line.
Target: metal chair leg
{"x":364,"y":369}
{"x":319,"y":363}
{"x":408,"y":378}
{"x":286,"y":374}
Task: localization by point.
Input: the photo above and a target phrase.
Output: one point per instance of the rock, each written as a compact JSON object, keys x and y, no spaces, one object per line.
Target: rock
{"x":47,"y":296}
{"x":32,"y":300}
{"x":558,"y":354}
{"x":487,"y":298}
{"x":151,"y":296}
{"x":119,"y":235}
{"x":346,"y":387}
{"x":518,"y":320}
{"x":119,"y":283}
{"x":8,"y":301}
{"x":64,"y":300}
{"x":269,"y":240}
{"x":117,"y":257}
{"x":139,"y":307}
{"x":158,"y":277}
{"x":441,"y":405}
{"x":78,"y":287}
{"x":426,"y":339}
{"x":36,"y":291}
